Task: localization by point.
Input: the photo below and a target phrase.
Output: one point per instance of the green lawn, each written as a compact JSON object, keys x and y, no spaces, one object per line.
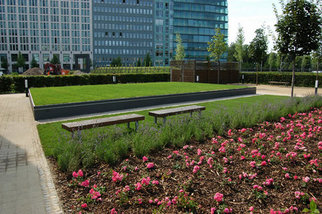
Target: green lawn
{"x":52,"y":133}
{"x":70,"y":94}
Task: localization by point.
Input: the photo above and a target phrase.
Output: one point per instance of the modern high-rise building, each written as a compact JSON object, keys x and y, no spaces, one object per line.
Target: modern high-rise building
{"x":103,"y":30}
{"x":40,"y":29}
{"x":195,"y":21}
{"x":122,"y":28}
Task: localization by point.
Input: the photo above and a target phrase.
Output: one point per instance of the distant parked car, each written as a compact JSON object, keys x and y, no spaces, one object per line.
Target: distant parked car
{"x":317,"y":71}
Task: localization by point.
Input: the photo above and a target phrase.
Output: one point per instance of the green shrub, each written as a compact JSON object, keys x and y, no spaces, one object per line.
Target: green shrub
{"x":16,"y":84}
{"x":301,"y":79}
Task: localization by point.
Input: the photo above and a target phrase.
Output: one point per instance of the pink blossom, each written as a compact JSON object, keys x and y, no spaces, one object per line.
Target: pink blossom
{"x":117,"y":177}
{"x":145,"y":159}
{"x":252,"y":164}
{"x":264,"y":163}
{"x":199,"y":152}
{"x":195,"y":169}
{"x":155,"y":182}
{"x":98,"y":173}
{"x":170,"y":156}
{"x":75,"y":175}
{"x":212,"y":210}
{"x":287,"y":175}
{"x":127,"y":188}
{"x":228,"y":210}
{"x":314,"y":162}
{"x":140,"y":201}
{"x":138,"y":186}
{"x":251,"y":209}
{"x":80,"y":173}
{"x":185,"y":147}
{"x":222,"y":149}
{"x":218,"y":197}
{"x":150,"y":165}
{"x":176,"y":152}
{"x":150,"y":201}
{"x":84,"y":205}
{"x":306,"y":179}
{"x":113,"y":211}
{"x":85,"y":183}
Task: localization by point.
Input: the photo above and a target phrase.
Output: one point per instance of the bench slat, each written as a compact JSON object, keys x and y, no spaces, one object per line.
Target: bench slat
{"x":173,"y":111}
{"x":87,"y":124}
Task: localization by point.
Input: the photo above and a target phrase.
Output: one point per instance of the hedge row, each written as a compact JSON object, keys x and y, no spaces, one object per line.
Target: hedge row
{"x":301,"y":79}
{"x":16,"y":84}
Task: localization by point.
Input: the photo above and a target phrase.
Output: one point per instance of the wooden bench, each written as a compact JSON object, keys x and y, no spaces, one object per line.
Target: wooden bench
{"x":168,"y":112}
{"x":87,"y":124}
{"x":278,"y":83}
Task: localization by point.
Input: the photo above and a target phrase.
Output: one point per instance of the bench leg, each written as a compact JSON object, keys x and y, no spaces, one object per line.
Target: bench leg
{"x":128,"y":125}
{"x":191,"y":114}
{"x":164,"y":120}
{"x":155,"y":120}
{"x":136,"y":125}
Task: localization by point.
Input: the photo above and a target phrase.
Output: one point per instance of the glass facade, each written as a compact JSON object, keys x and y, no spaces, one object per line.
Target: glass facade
{"x":42,"y":28}
{"x":195,"y":21}
{"x":163,"y":32}
{"x":122,"y":28}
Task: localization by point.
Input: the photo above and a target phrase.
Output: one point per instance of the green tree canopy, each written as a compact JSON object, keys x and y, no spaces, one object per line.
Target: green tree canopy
{"x":231,"y":52}
{"x":239,"y":46}
{"x":147,"y":60}
{"x":55,"y":60}
{"x":20,"y":60}
{"x":180,"y":55}
{"x":258,"y":46}
{"x":138,"y":63}
{"x":217,"y":46}
{"x":117,"y":62}
{"x":298,"y":29}
{"x":4,"y":63}
{"x":33,"y":62}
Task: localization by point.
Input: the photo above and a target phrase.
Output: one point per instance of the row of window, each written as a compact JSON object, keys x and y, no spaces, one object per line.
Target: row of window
{"x":120,"y":51}
{"x":127,"y":27}
{"x":123,"y":10}
{"x":123,"y":35}
{"x":142,"y":44}
{"x":123,"y":19}
{"x":147,"y":3}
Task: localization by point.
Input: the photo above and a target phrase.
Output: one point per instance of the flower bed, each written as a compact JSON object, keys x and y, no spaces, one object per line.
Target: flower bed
{"x":274,"y":167}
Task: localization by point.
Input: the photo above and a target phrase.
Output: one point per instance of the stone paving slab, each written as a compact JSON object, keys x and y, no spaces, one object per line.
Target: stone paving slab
{"x":26,"y":184}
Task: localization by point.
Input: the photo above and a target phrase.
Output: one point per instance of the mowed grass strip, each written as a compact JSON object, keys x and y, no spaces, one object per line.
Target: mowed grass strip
{"x":51,"y":133}
{"x":71,"y":94}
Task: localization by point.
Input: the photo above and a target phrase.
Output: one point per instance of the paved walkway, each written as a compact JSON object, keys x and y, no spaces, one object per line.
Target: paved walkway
{"x":26,"y":185}
{"x":284,"y":90}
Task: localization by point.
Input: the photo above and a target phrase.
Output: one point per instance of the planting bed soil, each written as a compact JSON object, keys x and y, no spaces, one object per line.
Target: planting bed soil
{"x":274,"y":167}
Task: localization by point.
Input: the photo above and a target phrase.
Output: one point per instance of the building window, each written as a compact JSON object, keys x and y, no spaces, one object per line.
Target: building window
{"x":138,"y":1}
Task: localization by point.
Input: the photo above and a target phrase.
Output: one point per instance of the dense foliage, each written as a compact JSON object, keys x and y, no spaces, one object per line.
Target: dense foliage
{"x":302,"y":79}
{"x":15,"y":84}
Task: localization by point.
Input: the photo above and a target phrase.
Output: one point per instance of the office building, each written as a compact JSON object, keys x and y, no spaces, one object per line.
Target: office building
{"x":195,"y":21}
{"x":40,"y":29}
{"x":122,"y":28}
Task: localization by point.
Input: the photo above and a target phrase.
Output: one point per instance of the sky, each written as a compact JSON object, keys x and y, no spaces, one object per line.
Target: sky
{"x":250,"y":14}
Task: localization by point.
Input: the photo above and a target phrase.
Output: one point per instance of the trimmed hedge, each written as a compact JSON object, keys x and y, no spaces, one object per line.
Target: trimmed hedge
{"x":301,"y":79}
{"x":16,"y":84}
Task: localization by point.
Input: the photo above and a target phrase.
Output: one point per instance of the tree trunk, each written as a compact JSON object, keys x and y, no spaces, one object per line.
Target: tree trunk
{"x":240,"y":66}
{"x":218,"y":76}
{"x":317,"y":76}
{"x":293,"y":78}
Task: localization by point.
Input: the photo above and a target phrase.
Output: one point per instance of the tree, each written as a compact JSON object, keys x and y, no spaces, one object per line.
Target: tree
{"x":180,"y":55}
{"x":138,"y":63}
{"x":4,"y":64}
{"x":305,"y":63}
{"x":33,"y":62}
{"x":20,"y":61}
{"x":272,"y":60}
{"x":258,"y":48}
{"x":231,"y":52}
{"x":217,"y":47}
{"x":55,"y":60}
{"x":117,"y":62}
{"x":239,"y":46}
{"x":298,"y":29}
{"x":147,"y":60}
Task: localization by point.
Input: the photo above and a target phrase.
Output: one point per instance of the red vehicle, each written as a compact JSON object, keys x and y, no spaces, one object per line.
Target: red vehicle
{"x":51,"y":69}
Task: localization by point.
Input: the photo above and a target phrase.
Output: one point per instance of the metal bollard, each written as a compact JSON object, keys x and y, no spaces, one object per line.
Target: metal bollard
{"x":26,"y":87}
{"x":316,"y":86}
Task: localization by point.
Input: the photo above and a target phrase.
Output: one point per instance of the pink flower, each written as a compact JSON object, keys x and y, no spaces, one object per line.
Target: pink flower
{"x":155,"y":182}
{"x":212,"y":210}
{"x":146,"y":181}
{"x":80,"y":173}
{"x":251,"y":209}
{"x":75,"y":175}
{"x":98,"y":173}
{"x":150,"y":165}
{"x":297,"y":194}
{"x":218,"y":197}
{"x":199,"y":152}
{"x":113,"y":211}
{"x":170,"y":156}
{"x":145,"y":159}
{"x":228,"y":210}
{"x":117,"y":177}
{"x":252,"y":164}
{"x":264,"y":163}
{"x":306,"y":179}
{"x":138,"y":186}
{"x":85,"y":183}
{"x":84,"y":205}
{"x":140,"y":201}
{"x":195,"y":169}
{"x":287,"y":175}
{"x":185,"y":147}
